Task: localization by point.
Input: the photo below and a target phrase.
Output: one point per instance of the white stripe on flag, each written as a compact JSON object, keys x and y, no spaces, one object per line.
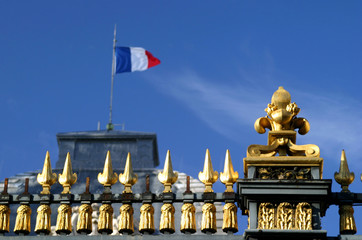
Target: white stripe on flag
{"x":139,"y":59}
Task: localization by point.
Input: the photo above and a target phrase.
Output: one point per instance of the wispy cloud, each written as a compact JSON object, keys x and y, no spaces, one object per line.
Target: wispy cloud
{"x":228,"y":107}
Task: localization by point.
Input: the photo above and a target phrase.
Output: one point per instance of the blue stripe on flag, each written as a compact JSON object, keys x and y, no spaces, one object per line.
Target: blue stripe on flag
{"x":123,"y":59}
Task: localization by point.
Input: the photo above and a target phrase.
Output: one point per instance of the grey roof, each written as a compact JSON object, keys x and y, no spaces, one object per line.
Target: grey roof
{"x":88,"y":149}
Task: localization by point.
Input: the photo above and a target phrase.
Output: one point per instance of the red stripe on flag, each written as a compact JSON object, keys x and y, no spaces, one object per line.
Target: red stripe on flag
{"x":152,"y":61}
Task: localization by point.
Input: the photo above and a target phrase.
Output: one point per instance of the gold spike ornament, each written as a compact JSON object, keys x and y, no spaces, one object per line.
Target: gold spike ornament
{"x":344,"y":177}
{"x":22,"y":223}
{"x":208,"y":176}
{"x":47,"y":177}
{"x":125,"y":224}
{"x":4,"y":218}
{"x":67,"y":178}
{"x":43,"y":220}
{"x":168,"y":176}
{"x":64,"y":223}
{"x":108,"y":177}
{"x":128,"y":178}
{"x":84,"y":223}
{"x":228,"y":177}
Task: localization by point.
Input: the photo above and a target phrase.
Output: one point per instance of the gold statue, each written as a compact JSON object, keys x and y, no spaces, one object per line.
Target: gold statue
{"x":266,"y":216}
{"x":67,"y":178}
{"x":43,"y":219}
{"x":208,"y":176}
{"x":188,"y":221}
{"x":105,"y":221}
{"x":230,"y":221}
{"x":282,"y":121}
{"x":23,"y":217}
{"x":168,"y":176}
{"x":208,"y":222}
{"x":167,"y":222}
{"x":146,"y":218}
{"x":125,"y":223}
{"x":4,"y":218}
{"x":108,"y":177}
{"x":228,"y":177}
{"x":128,"y":178}
{"x":285,"y":216}
{"x":84,"y":223}
{"x":47,"y":177}
{"x":64,"y":223}
{"x":303,"y":216}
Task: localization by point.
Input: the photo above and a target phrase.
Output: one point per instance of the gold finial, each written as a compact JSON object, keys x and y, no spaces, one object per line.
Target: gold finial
{"x":4,"y":218}
{"x":128,"y":178}
{"x":46,"y":178}
{"x":22,"y":222}
{"x":344,"y":177}
{"x":168,"y":176}
{"x":67,"y":178}
{"x":108,"y":177}
{"x":228,"y":177}
{"x":208,"y":176}
{"x":43,"y":219}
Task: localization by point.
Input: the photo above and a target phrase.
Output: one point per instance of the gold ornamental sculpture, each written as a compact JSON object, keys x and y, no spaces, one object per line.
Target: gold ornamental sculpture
{"x":188,"y":210}
{"x":282,"y":158}
{"x":22,"y":222}
{"x":347,"y":223}
{"x":4,"y":218}
{"x":208,"y":177}
{"x":128,"y":179}
{"x":47,"y":178}
{"x":107,"y":178}
{"x":147,"y":224}
{"x":67,"y":178}
{"x":229,"y":177}
{"x":282,"y":121}
{"x":84,"y":223}
{"x":167,"y":177}
{"x":43,"y":219}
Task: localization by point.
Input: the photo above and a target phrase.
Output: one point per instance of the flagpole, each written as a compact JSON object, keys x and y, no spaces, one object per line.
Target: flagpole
{"x":110,"y":125}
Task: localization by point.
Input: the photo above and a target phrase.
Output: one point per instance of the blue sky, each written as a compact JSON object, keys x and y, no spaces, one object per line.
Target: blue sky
{"x":220,"y":64}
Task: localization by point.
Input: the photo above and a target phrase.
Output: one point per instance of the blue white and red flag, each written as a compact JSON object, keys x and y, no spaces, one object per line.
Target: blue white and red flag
{"x":130,"y":59}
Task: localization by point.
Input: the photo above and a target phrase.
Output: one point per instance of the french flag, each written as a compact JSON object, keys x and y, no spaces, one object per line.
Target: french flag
{"x":130,"y":59}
